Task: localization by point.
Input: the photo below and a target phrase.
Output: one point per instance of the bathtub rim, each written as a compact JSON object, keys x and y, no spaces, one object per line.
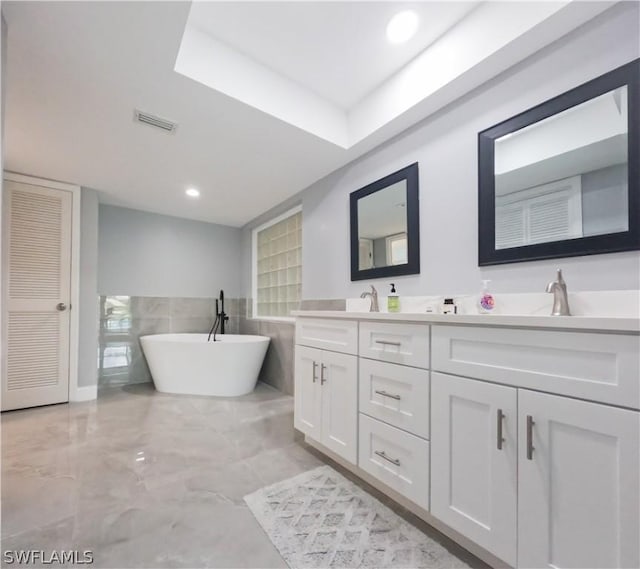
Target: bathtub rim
{"x":189,"y":337}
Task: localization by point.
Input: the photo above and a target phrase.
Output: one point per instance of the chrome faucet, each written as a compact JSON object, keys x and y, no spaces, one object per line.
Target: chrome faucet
{"x":560,"y":298}
{"x":374,"y":299}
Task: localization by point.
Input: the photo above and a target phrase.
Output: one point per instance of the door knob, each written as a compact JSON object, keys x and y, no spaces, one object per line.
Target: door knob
{"x":61,"y":306}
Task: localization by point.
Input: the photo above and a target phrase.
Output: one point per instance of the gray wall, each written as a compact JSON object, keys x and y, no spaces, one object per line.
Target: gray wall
{"x":169,"y":269}
{"x":145,"y":254}
{"x":88,"y":331}
{"x":445,"y":145}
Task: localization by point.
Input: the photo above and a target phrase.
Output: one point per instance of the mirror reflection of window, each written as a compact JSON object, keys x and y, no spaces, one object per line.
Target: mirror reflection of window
{"x":397,"y":249}
{"x":382,"y":227}
{"x":564,"y":177}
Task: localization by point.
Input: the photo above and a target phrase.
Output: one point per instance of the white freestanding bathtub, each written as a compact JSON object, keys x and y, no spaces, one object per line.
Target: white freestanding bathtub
{"x":187,"y":363}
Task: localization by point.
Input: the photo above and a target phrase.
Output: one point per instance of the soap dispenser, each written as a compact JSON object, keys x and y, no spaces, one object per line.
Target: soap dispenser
{"x":393,"y":300}
{"x":486,"y":302}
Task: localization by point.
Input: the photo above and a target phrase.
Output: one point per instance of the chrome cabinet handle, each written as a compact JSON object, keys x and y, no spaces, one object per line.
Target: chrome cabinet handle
{"x":323,"y":379}
{"x":315,"y":366}
{"x":382,"y":454}
{"x":500,"y":418}
{"x":387,"y":343}
{"x":391,"y":395}
{"x":61,"y":307}
{"x":530,"y":447}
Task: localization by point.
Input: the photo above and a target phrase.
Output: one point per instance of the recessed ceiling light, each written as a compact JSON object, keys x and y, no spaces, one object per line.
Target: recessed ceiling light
{"x":193,"y":193}
{"x":402,"y":26}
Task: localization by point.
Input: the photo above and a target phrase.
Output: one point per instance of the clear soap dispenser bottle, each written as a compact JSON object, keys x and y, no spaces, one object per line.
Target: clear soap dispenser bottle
{"x":486,"y":302}
{"x":393,"y":300}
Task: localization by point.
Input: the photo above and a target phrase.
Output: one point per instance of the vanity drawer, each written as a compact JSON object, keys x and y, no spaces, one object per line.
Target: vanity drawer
{"x":396,"y":458}
{"x":399,"y":343}
{"x":398,"y":395}
{"x":599,"y":367}
{"x":327,"y":334}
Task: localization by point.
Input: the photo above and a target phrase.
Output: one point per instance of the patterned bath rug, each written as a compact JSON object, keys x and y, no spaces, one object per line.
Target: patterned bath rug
{"x":320,"y":519}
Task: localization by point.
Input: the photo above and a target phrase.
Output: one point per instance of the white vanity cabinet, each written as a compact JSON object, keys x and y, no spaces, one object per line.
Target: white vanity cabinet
{"x":559,"y":470}
{"x":578,"y":473}
{"x":578,"y":493}
{"x":474,"y":474}
{"x":326,"y":396}
{"x":522,"y":443}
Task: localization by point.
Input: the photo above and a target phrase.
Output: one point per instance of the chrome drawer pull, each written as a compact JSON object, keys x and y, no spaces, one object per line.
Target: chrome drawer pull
{"x":315,"y":366}
{"x":382,"y":454}
{"x":387,"y":343}
{"x":391,"y":395}
{"x":323,"y":379}
{"x":501,"y":438}
{"x":530,"y":447}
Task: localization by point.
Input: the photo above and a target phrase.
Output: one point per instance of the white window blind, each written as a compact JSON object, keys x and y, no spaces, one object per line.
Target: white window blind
{"x":278,"y":266}
{"x":551,"y":212}
{"x":510,"y":226}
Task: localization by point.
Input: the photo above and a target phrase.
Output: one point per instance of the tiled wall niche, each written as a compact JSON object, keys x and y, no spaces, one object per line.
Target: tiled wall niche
{"x":123,"y":319}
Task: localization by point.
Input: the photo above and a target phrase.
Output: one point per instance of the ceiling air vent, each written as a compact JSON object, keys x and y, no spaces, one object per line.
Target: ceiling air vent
{"x":153,"y":120}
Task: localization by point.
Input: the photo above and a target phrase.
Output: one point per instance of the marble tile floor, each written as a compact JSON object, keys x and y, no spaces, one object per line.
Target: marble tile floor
{"x":145,"y":479}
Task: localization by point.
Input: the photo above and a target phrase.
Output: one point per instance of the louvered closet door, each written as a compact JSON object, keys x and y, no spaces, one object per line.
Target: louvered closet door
{"x":38,"y":259}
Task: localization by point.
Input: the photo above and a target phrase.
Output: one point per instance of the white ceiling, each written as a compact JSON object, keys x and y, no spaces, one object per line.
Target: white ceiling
{"x":75,"y":73}
{"x":341,"y":52}
{"x":77,"y":70}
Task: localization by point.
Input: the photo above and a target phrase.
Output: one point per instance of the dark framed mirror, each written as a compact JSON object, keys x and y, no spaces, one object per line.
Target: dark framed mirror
{"x":385,"y":231}
{"x":563,"y":178}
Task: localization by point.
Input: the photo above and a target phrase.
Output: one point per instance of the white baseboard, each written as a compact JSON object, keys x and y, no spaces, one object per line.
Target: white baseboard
{"x":86,"y":393}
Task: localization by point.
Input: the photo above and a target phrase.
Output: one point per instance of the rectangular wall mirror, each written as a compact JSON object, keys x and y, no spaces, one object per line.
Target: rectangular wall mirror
{"x":561,"y":179}
{"x":385,"y":239}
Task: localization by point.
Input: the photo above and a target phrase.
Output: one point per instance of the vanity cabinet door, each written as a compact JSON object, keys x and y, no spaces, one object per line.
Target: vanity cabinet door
{"x":307,"y":392}
{"x":578,"y":496}
{"x":474,"y":461}
{"x":339,"y":385}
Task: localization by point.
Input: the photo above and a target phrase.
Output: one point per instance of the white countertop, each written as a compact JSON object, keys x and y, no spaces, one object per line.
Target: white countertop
{"x":590,"y":323}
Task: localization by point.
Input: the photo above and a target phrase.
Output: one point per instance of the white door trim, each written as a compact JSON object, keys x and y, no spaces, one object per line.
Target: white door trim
{"x":75,"y":393}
